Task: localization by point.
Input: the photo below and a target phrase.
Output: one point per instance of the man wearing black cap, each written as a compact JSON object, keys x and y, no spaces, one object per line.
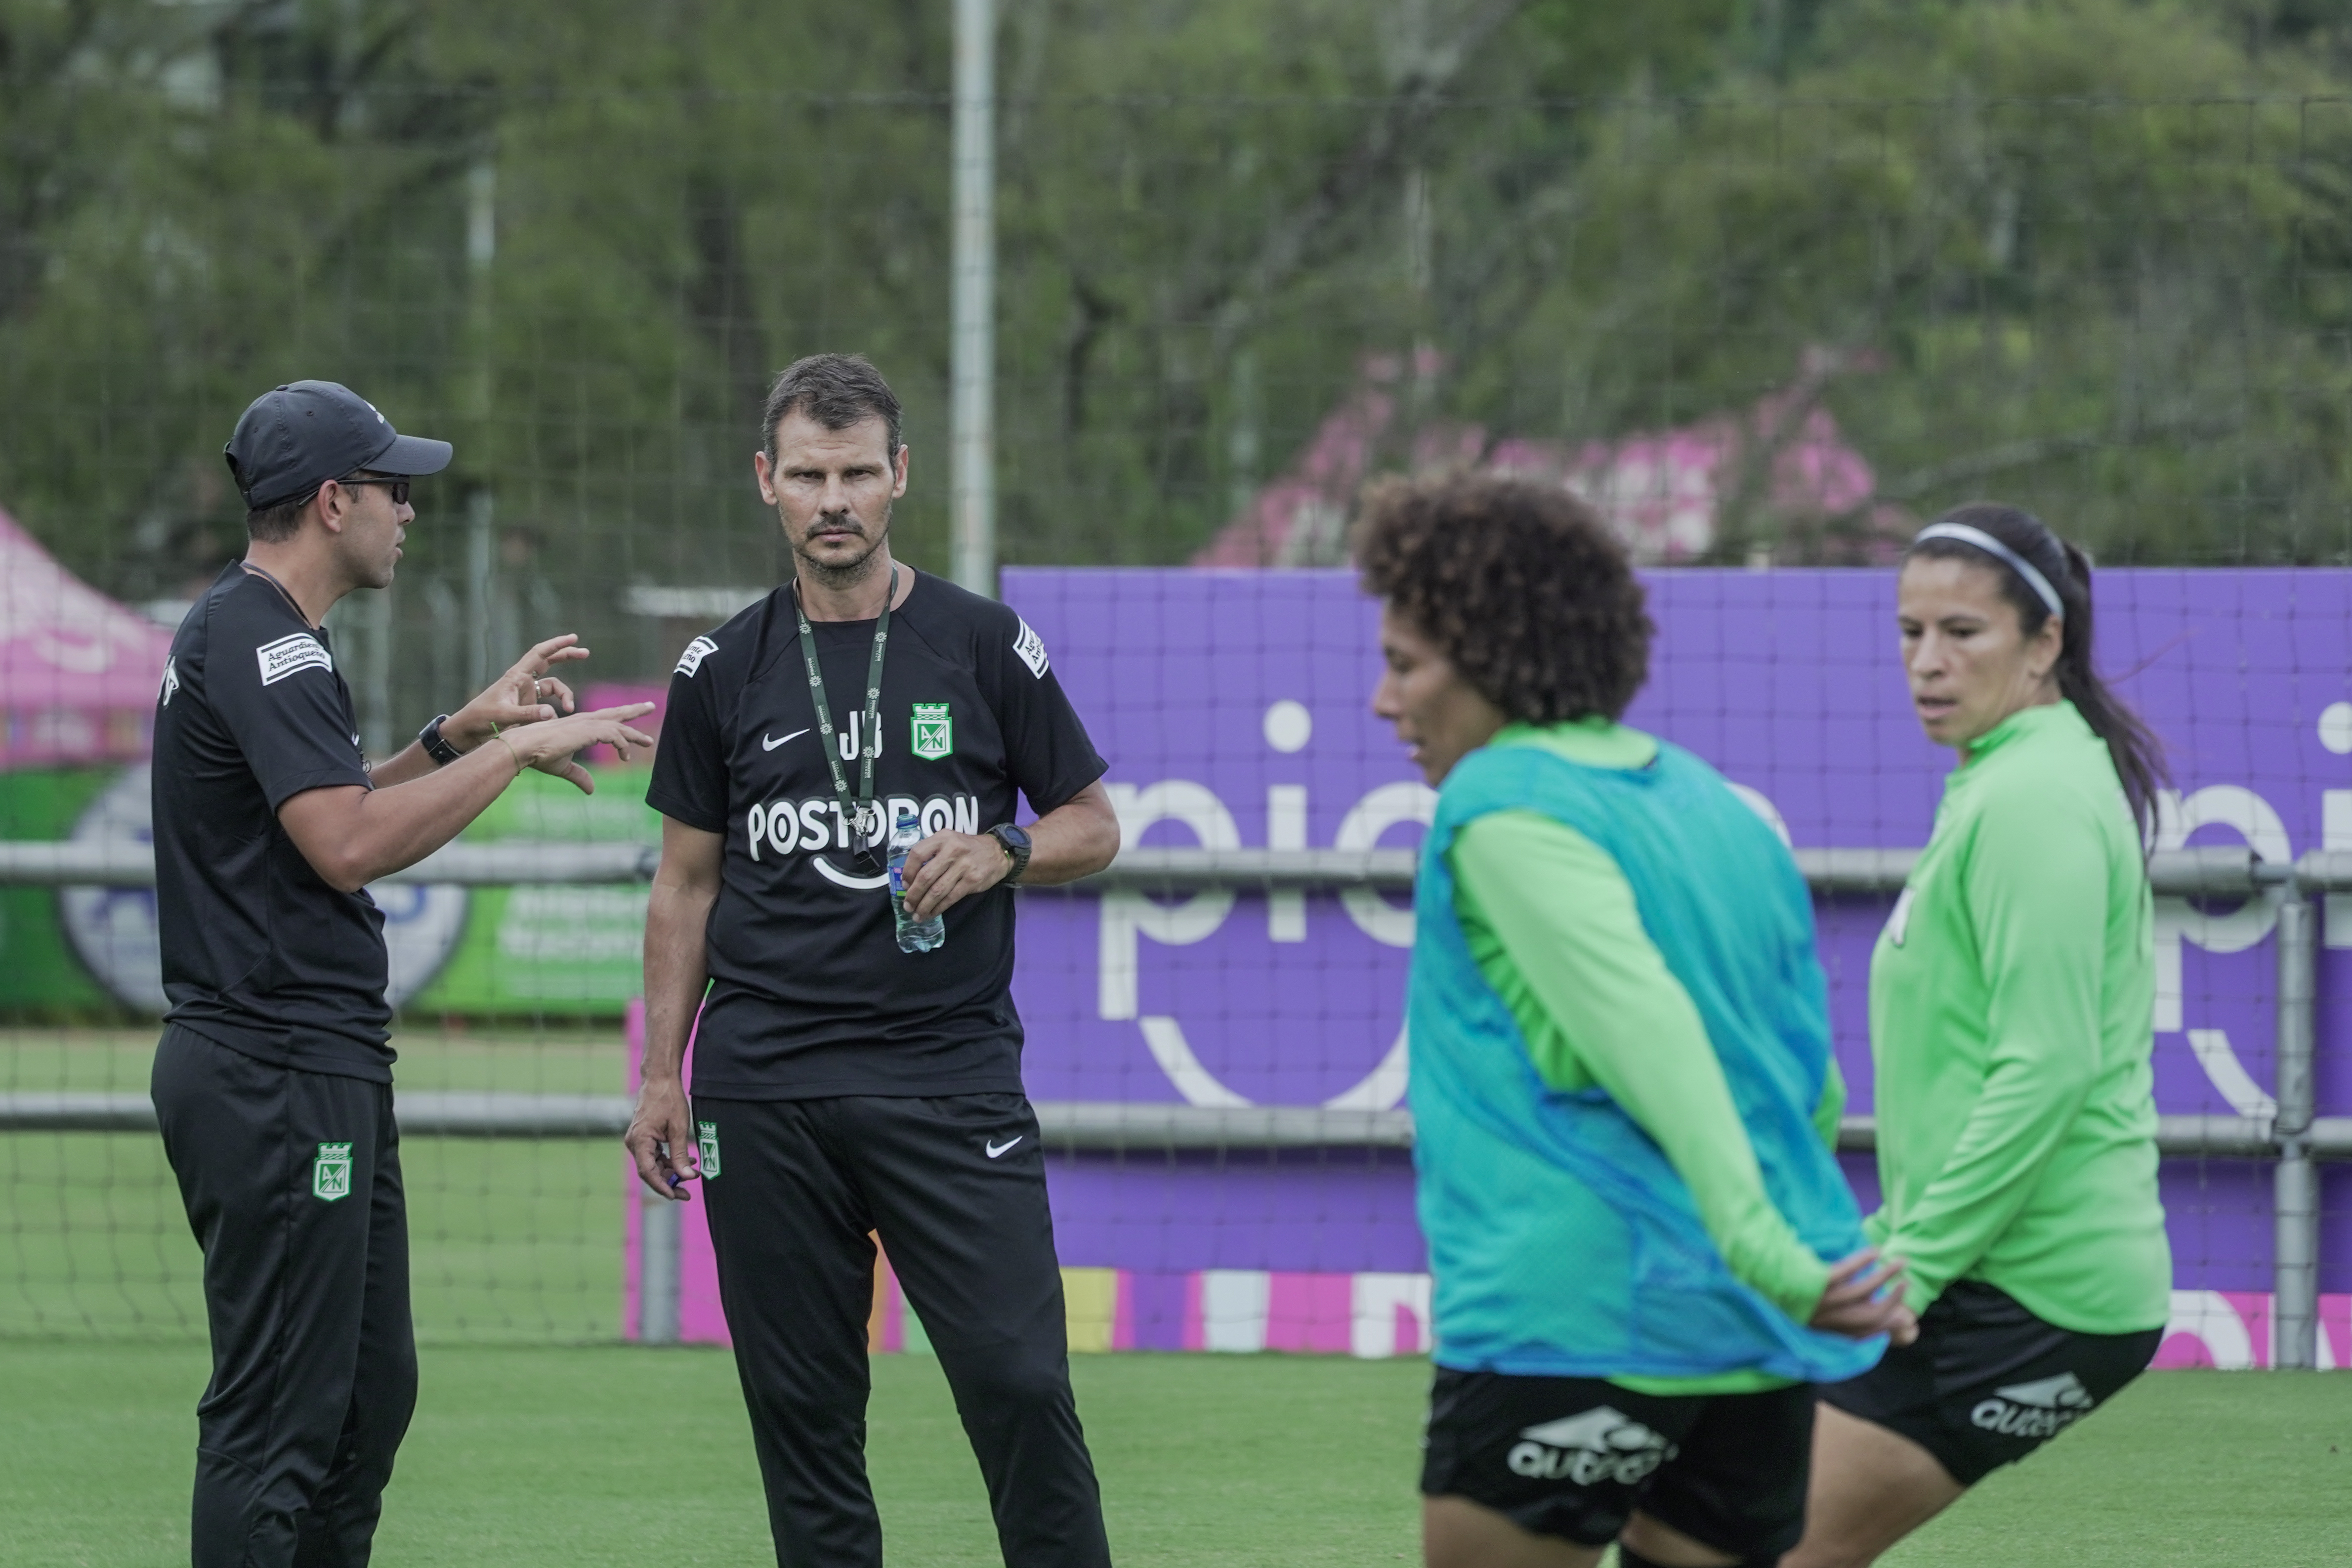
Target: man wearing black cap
{"x":273,"y":1081}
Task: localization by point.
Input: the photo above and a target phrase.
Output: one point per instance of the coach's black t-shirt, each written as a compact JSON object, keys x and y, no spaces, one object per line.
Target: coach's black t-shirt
{"x":260,"y":954}
{"x":810,"y":995}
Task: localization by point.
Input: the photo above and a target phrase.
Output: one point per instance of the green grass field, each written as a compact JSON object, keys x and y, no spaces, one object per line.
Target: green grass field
{"x":529,"y":1457}
{"x":528,"y":1453}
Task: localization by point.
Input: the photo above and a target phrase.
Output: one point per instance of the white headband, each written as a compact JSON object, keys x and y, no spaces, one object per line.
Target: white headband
{"x":2001,"y":552}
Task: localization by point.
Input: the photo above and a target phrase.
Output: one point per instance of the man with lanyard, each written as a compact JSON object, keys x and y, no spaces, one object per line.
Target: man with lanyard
{"x":273,"y":1079}
{"x":844,"y":1087}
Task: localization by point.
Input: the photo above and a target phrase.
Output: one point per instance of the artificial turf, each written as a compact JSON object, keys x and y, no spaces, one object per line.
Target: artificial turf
{"x":524,"y":1457}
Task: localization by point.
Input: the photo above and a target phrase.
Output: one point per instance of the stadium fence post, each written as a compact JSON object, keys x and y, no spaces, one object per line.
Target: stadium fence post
{"x":972,"y":300}
{"x":2295,"y":1203}
{"x":483,"y":651}
{"x":658,"y":1262}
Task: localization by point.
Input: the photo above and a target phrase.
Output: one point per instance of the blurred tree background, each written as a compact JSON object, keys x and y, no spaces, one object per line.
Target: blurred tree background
{"x":2087,"y":254}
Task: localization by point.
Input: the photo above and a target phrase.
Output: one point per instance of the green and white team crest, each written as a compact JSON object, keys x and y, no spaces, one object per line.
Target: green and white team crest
{"x":934,"y":731}
{"x":708,"y":1139}
{"x":330,"y":1172}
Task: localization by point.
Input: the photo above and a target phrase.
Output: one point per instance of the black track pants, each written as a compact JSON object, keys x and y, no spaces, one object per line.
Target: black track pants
{"x":800,"y":1185}
{"x":306,"y":1288}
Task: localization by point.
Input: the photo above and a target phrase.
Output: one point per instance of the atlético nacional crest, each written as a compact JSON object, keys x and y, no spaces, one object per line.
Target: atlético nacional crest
{"x":708,"y":1138}
{"x":330,"y":1172}
{"x":934,"y":731}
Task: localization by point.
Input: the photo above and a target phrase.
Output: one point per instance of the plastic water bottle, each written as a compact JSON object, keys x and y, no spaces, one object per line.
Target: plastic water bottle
{"x":914,"y":936}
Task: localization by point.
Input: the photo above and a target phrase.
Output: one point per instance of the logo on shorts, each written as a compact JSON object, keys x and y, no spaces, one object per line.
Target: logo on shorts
{"x":171,"y":678}
{"x":708,"y":1138}
{"x":1601,"y":1444}
{"x":330,"y":1172}
{"x":2037,"y":1410}
{"x":934,"y":731}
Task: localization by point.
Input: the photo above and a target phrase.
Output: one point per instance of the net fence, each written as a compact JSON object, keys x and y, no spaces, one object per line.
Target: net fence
{"x":515,"y":1238}
{"x":1216,"y":1033}
{"x":1765,"y":330}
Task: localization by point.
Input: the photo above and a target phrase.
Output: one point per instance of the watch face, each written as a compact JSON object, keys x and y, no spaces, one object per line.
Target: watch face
{"x":1016,"y":845}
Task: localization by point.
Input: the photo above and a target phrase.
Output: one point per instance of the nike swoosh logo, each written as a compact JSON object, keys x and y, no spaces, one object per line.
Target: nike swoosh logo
{"x":996,"y":1148}
{"x":768,"y":745}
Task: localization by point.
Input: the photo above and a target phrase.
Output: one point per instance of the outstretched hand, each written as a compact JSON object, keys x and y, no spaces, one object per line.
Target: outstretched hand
{"x":550,"y":746}
{"x":526,"y":694}
{"x":1865,"y":1298}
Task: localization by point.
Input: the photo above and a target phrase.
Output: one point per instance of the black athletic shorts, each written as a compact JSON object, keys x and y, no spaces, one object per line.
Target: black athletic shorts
{"x":1987,"y":1382}
{"x":1574,"y":1456}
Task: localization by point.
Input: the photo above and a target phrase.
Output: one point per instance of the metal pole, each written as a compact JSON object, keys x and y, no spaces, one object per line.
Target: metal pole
{"x":481,"y":589}
{"x":2295,"y":1203}
{"x":657,"y":1272}
{"x":972,"y":330}
{"x":481,"y":561}
{"x":362,"y":625}
{"x":375,"y":621}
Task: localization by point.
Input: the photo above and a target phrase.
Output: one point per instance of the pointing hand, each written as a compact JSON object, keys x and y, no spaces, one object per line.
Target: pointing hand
{"x":550,"y":746}
{"x":526,"y":694}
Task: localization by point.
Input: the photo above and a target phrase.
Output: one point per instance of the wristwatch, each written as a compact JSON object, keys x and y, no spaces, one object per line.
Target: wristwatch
{"x":437,"y":745}
{"x":1016,"y":844}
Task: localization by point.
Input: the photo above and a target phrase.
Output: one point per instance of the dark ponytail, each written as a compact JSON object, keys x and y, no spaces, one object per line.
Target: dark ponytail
{"x":2138,"y":756}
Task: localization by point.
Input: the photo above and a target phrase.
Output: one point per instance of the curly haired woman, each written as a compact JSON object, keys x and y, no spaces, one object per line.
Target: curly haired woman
{"x":1622,"y":1082}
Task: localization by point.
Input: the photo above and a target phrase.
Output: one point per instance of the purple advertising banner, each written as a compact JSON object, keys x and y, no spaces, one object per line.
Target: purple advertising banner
{"x":1235,"y":710}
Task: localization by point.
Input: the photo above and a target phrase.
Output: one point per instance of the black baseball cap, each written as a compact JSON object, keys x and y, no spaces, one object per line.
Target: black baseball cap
{"x":293,"y":438}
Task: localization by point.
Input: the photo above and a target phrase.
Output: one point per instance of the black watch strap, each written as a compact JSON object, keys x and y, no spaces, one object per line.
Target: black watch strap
{"x":437,"y":745}
{"x":1016,"y":844}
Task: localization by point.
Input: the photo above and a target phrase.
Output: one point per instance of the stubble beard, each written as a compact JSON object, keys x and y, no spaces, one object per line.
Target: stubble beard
{"x":371,"y":568}
{"x":836,"y":579}
{"x":387,"y":566}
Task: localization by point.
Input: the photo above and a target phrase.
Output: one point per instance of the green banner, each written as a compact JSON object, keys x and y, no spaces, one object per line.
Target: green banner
{"x":551,"y":949}
{"x":479,"y":952}
{"x":38,"y":968}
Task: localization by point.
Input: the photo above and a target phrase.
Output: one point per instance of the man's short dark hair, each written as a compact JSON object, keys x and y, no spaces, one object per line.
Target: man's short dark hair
{"x":277,"y":524}
{"x":837,"y":391}
{"x":1520,"y":585}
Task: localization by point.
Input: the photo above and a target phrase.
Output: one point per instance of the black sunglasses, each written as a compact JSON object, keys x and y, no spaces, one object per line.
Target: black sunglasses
{"x":399,"y":487}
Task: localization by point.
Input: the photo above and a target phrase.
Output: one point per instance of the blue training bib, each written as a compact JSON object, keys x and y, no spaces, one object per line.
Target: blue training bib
{"x":1562,"y":1240}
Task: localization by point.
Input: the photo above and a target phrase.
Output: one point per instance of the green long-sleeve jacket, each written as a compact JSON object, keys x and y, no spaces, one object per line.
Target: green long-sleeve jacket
{"x":2011,"y":999}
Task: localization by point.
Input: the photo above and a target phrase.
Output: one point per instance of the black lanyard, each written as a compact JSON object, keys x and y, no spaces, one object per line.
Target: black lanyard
{"x":291,"y":602}
{"x":853,"y":814}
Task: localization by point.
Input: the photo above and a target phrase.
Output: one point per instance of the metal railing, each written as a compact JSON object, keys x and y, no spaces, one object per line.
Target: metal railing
{"x":2295,"y":1138}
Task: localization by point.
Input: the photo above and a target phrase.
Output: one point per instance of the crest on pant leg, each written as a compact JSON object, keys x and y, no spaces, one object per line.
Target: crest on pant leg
{"x":708,"y":1140}
{"x":330,"y":1172}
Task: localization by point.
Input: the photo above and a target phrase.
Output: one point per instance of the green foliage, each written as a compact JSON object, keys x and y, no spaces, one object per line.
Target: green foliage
{"x":2087,"y":254}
